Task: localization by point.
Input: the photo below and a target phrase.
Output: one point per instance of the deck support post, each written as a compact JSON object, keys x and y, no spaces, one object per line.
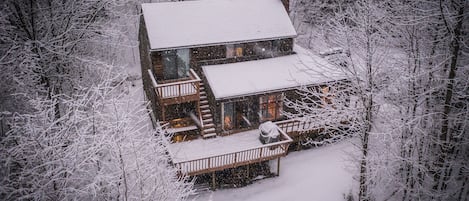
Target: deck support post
{"x":248,"y":171}
{"x":213,"y":181}
{"x":278,"y":166}
{"x":163,"y":113}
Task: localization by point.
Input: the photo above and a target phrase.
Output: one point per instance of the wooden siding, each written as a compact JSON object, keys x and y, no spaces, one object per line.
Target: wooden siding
{"x":157,"y":65}
{"x":145,"y":64}
{"x":212,"y":55}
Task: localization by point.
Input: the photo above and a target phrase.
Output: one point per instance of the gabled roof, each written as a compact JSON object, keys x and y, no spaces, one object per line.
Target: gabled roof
{"x":269,"y":75}
{"x":207,"y":22}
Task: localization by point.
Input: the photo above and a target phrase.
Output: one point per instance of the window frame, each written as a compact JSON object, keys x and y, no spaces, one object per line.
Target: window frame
{"x":268,"y":102}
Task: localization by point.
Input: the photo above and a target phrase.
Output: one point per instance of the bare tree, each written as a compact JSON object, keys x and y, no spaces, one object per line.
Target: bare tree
{"x":362,"y":30}
{"x":75,"y":134}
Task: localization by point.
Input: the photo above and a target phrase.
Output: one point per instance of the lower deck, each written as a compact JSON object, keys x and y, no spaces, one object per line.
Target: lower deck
{"x":203,"y":156}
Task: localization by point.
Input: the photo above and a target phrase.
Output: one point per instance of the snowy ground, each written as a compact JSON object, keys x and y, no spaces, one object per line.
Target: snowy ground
{"x":322,"y":174}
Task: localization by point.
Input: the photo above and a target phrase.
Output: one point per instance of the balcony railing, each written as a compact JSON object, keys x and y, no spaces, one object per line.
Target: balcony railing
{"x":234,"y":159}
{"x":297,"y":126}
{"x":178,"y":91}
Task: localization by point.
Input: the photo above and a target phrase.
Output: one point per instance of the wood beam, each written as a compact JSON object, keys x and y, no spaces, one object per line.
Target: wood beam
{"x":278,"y":166}
{"x":213,"y":181}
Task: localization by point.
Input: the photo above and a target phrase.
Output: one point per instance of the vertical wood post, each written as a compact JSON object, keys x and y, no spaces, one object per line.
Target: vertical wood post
{"x":213,"y":181}
{"x":163,"y":112}
{"x":278,"y":166}
{"x":248,"y":171}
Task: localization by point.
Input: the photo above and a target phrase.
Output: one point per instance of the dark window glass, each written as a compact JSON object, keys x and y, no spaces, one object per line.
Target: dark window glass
{"x":175,"y":63}
{"x":237,"y":115}
{"x":270,"y":107}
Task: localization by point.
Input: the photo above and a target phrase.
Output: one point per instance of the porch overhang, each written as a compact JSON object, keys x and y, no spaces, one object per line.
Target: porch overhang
{"x":233,"y":80}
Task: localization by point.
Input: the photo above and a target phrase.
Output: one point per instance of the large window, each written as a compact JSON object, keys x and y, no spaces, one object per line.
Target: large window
{"x":236,"y":115}
{"x":326,"y":96}
{"x":270,"y":107}
{"x":263,"y":48}
{"x":176,"y":63}
{"x":281,"y":46}
{"x":234,"y":51}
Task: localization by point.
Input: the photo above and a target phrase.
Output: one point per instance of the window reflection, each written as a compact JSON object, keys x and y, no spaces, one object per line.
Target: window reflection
{"x":271,"y":107}
{"x":237,"y":115}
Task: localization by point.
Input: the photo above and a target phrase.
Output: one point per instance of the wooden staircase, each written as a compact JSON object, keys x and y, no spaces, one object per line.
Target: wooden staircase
{"x":208,"y":129}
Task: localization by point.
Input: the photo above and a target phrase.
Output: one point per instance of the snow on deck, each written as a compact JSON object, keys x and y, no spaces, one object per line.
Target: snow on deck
{"x":194,"y":23}
{"x":173,"y":91}
{"x":197,"y":149}
{"x":261,"y":76}
{"x":203,"y":156}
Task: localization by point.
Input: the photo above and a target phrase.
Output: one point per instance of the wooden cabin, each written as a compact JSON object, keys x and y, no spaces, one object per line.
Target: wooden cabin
{"x":218,"y":68}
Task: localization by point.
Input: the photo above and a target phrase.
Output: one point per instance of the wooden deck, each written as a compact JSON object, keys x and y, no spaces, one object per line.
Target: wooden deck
{"x":298,"y":127}
{"x":234,"y":159}
{"x":295,"y":127}
{"x":179,"y":91}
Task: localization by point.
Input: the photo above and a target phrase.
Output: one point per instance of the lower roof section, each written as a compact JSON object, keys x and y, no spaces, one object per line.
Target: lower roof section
{"x":267,"y":75}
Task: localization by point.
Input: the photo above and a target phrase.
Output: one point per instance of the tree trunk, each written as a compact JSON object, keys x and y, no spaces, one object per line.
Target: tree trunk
{"x":445,"y":144}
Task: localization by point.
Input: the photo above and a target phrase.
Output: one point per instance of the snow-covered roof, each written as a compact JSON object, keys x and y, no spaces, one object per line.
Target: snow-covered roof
{"x":207,"y":22}
{"x":267,"y":75}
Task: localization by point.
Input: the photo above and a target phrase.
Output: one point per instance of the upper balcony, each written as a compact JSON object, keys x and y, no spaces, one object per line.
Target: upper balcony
{"x":177,"y":91}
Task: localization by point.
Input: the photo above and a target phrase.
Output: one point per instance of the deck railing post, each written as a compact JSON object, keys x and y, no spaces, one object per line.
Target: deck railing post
{"x":260,"y":153}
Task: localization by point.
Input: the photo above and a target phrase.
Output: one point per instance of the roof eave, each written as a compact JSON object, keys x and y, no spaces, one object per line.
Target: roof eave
{"x":278,"y":90}
{"x":221,"y":43}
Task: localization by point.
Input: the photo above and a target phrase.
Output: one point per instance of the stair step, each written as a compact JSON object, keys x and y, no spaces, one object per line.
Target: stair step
{"x":209,"y":135}
{"x":202,"y":93}
{"x":208,"y":124}
{"x":207,"y":115}
{"x":204,"y":102}
{"x":204,"y":107}
{"x":209,"y":130}
{"x":206,"y":111}
{"x":208,"y":120}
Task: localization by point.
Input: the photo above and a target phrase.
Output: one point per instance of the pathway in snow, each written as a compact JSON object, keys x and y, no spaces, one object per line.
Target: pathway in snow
{"x":322,"y":174}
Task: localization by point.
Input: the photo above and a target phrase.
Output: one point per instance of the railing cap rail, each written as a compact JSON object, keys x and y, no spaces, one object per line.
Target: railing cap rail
{"x":156,"y":85}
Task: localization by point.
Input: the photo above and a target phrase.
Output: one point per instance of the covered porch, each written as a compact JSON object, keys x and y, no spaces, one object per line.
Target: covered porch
{"x":249,"y":93}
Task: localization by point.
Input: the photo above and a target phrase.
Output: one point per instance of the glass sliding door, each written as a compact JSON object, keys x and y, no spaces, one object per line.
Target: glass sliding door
{"x":270,"y":107}
{"x":183,"y":62}
{"x":237,"y":115}
{"x":169,"y":64}
{"x":228,"y":116}
{"x":176,"y":63}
